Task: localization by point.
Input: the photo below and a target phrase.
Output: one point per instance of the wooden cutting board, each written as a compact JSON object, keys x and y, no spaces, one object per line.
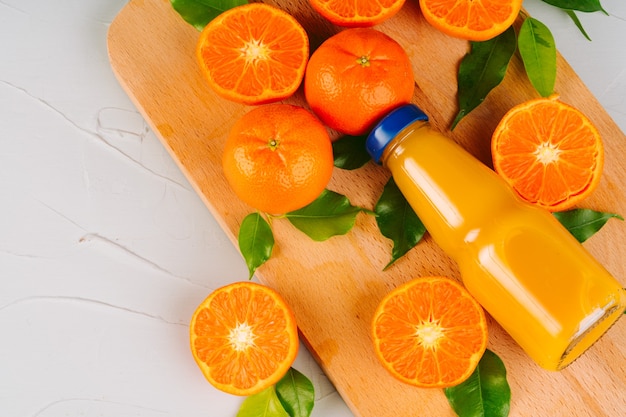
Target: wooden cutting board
{"x":334,"y":286}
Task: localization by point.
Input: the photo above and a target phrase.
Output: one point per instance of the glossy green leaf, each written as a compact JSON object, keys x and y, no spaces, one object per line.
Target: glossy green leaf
{"x":538,"y":50}
{"x":578,"y":23}
{"x":200,"y":12}
{"x":587,"y":6}
{"x":483,"y":69}
{"x":486,"y":393}
{"x":329,"y":215}
{"x":262,"y":404}
{"x":397,"y":221}
{"x":296,"y":393}
{"x":256,"y":241}
{"x":584,"y":223}
{"x":350,"y":152}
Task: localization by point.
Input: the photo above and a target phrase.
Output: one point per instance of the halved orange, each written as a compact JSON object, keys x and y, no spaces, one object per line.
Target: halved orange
{"x":253,"y":54}
{"x":362,"y":13}
{"x":243,"y":337}
{"x":430,"y":332}
{"x":549,"y":152}
{"x":474,"y":20}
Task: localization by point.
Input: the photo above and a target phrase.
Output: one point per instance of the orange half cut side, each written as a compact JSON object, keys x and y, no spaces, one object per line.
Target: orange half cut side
{"x":549,"y":152}
{"x":429,"y":332}
{"x":362,"y":13}
{"x":244,"y":338}
{"x":474,"y":20}
{"x":253,"y":54}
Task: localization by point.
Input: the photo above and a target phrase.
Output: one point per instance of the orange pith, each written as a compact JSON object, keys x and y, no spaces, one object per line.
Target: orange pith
{"x":356,"y":77}
{"x":363,"y":13}
{"x":253,"y":54}
{"x":278,"y":158}
{"x":549,"y":152}
{"x":244,"y":338}
{"x":475,"y":20}
{"x":429,"y":332}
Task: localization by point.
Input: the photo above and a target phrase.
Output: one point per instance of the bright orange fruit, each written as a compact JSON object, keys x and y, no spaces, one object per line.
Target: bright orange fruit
{"x":356,"y":77}
{"x":549,"y":152}
{"x":430,"y":332}
{"x":244,"y":338}
{"x":278,"y":158}
{"x":253,"y":54}
{"x":474,"y":20}
{"x":363,"y":13}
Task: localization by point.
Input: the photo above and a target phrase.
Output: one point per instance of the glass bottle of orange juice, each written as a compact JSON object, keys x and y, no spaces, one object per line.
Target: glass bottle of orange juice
{"x":517,"y":260}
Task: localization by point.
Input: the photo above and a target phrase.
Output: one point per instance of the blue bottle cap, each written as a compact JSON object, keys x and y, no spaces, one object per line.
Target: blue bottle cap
{"x":387,"y":129}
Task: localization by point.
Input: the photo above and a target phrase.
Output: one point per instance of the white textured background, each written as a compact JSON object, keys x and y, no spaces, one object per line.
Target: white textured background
{"x":105,"y":250}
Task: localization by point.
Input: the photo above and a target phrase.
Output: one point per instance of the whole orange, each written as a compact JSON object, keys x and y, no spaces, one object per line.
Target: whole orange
{"x":356,"y":77}
{"x":278,"y":158}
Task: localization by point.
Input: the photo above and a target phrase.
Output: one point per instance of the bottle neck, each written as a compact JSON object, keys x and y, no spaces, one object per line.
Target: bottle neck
{"x":453,"y":193}
{"x":396,"y":144}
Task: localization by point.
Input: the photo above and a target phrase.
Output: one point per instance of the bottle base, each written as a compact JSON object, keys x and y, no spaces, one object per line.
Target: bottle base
{"x":590,"y":330}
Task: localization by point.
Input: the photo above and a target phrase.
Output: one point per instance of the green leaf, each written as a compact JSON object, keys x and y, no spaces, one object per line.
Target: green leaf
{"x":262,"y":404}
{"x":200,"y":12}
{"x":486,"y":393}
{"x":584,"y":223}
{"x":537,"y":48}
{"x":587,"y":6}
{"x":350,"y":152}
{"x":296,"y":393}
{"x":397,"y":221}
{"x":256,"y":241}
{"x":577,"y":22}
{"x":483,"y":69}
{"x":329,"y":215}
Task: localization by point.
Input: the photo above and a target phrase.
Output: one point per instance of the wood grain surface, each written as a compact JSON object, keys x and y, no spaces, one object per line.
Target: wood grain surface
{"x":334,"y":286}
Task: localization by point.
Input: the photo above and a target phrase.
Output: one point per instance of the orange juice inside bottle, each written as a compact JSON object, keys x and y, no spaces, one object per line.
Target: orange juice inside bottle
{"x":517,"y":260}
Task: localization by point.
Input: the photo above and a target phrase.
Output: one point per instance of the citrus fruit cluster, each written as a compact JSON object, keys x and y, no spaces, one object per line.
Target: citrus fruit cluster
{"x":279,"y":159}
{"x":259,"y":54}
{"x":428,"y":332}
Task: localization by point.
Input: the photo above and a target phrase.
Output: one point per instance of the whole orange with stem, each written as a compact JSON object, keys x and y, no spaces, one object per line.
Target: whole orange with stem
{"x":243,"y":337}
{"x":549,"y":152}
{"x":363,"y":13}
{"x":253,"y":54}
{"x":356,"y":77}
{"x":474,"y":20}
{"x":429,"y":332}
{"x":278,"y":158}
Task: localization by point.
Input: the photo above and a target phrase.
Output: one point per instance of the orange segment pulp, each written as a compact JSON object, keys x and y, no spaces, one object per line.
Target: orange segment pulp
{"x":475,"y":20}
{"x":549,"y":152}
{"x":243,"y":337}
{"x":430,"y":332}
{"x":362,"y":13}
{"x":253,"y":54}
